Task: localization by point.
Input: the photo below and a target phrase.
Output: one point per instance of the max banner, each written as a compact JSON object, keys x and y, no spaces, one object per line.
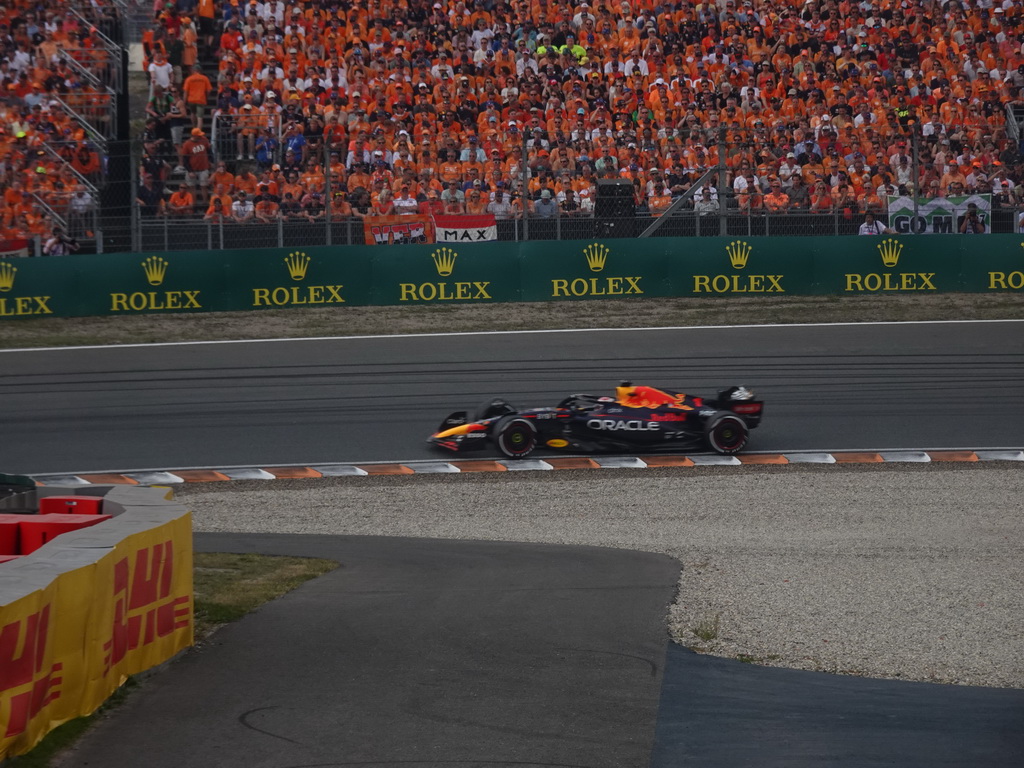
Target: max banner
{"x":66,"y":647}
{"x":465,"y":229}
{"x":397,"y":230}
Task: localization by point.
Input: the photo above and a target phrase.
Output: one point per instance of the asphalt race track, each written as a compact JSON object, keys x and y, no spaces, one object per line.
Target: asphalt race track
{"x":849,"y":387}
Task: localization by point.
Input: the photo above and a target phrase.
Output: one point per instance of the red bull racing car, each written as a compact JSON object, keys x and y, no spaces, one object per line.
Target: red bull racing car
{"x":636,"y":417}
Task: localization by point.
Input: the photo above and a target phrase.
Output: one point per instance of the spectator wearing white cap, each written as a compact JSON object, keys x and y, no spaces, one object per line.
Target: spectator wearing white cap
{"x":788,"y":169}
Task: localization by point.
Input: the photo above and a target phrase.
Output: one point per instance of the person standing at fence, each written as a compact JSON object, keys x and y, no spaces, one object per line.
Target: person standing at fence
{"x":500,"y":207}
{"x":545,"y":207}
{"x":776,"y":201}
{"x":80,"y":208}
{"x":195,"y":157}
{"x":873,"y":226}
{"x":705,"y":205}
{"x":971,"y":222}
{"x":243,"y":210}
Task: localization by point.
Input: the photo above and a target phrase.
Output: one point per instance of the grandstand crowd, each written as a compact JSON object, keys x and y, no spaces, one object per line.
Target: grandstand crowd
{"x":398,"y":107}
{"x":49,"y":169}
{"x":260,"y":111}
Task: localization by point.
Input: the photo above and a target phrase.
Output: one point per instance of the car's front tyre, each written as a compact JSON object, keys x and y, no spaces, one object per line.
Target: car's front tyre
{"x":515,"y":437}
{"x":726,"y":433}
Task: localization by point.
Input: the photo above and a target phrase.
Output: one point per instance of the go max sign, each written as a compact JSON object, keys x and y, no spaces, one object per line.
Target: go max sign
{"x":739,"y":254}
{"x":580,"y":287}
{"x":444,"y":260}
{"x":297,"y":264}
{"x":155,"y":269}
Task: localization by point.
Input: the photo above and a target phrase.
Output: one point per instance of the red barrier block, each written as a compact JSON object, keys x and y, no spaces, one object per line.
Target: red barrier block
{"x":39,"y":529}
{"x":9,"y":536}
{"x":71,"y":505}
{"x":8,"y":558}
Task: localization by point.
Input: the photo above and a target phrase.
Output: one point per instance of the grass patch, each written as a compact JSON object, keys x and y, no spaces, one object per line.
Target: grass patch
{"x":226,"y":588}
{"x":618,"y":313}
{"x":229,"y":586}
{"x":707,"y":628}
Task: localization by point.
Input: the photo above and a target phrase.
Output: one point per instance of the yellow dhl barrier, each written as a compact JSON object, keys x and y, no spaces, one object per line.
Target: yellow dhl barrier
{"x":67,"y":646}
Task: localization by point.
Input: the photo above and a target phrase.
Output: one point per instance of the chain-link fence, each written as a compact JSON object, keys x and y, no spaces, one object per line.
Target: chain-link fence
{"x":163,"y":233}
{"x":206,"y":189}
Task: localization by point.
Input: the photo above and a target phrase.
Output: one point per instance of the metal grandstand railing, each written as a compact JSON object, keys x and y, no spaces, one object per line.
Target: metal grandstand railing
{"x":96,"y":119}
{"x":55,"y":156}
{"x":1014,"y":121}
{"x":108,"y":69}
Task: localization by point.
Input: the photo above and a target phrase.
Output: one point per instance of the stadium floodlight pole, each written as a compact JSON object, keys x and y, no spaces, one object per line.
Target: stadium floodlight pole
{"x":522,"y":191}
{"x":328,"y":193}
{"x":914,"y":164}
{"x":723,"y":228}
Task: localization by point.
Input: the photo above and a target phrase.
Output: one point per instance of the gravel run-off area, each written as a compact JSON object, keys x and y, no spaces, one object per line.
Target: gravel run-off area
{"x":896,"y":571}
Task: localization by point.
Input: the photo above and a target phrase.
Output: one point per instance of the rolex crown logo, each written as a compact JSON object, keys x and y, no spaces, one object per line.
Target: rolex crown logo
{"x":597,"y":255}
{"x":298,"y":263}
{"x":155,"y":269}
{"x":739,"y":252}
{"x":890,"y":249}
{"x":444,"y":260}
{"x":7,"y":273}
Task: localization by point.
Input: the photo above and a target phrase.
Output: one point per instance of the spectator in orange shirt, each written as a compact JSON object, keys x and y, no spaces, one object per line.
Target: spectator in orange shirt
{"x":660,"y":200}
{"x":86,"y":162}
{"x":181,"y":203}
{"x":197,"y":89}
{"x":776,"y":201}
{"x":476,"y":203}
{"x":217,"y":213}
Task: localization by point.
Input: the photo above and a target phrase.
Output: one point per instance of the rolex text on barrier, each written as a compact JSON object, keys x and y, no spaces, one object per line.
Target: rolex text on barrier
{"x":741,"y":268}
{"x":612,"y":269}
{"x":19,"y":296}
{"x":431,"y":273}
{"x":447,"y":274}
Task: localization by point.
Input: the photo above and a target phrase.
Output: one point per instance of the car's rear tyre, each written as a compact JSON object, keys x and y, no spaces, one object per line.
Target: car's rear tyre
{"x":515,"y":437}
{"x":488,"y":409}
{"x":726,"y":433}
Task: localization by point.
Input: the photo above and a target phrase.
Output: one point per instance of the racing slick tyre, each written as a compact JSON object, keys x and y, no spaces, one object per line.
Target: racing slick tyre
{"x":488,"y":409}
{"x":515,"y":437}
{"x":726,"y":433}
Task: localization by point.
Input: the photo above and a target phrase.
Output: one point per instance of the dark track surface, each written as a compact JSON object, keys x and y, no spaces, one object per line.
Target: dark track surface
{"x":719,"y":713}
{"x":417,"y":653}
{"x":425,"y":653}
{"x":915,"y":386}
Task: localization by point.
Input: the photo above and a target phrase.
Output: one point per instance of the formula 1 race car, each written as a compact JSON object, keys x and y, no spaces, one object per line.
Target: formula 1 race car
{"x":637,"y":417}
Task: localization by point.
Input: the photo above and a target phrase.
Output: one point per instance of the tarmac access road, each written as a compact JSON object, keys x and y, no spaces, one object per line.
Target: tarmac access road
{"x":421,"y":653}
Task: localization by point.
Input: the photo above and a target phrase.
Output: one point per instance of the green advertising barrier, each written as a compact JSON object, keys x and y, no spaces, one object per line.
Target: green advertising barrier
{"x":718,"y":266}
{"x":440,"y":273}
{"x":582,"y":269}
{"x":998,"y":265}
{"x":274,"y":278}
